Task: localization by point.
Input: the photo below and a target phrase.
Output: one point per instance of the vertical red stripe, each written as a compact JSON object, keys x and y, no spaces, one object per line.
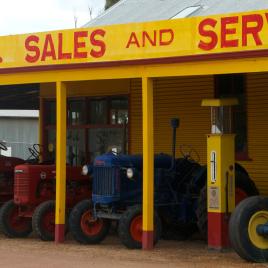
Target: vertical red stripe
{"x":59,"y":233}
{"x":147,"y":240}
{"x":218,"y":230}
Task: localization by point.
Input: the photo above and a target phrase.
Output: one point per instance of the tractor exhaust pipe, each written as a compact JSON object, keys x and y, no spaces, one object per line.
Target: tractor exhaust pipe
{"x":174,"y":124}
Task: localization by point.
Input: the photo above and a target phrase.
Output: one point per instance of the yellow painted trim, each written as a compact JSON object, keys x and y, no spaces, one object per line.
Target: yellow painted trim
{"x":161,"y":70}
{"x":60,"y":152}
{"x":148,"y":154}
{"x":219,"y":102}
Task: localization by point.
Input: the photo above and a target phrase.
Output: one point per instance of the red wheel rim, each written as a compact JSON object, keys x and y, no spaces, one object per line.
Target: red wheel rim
{"x":17,"y":223}
{"x":136,"y":228}
{"x":48,"y":222}
{"x":239,"y":195}
{"x":89,"y":225}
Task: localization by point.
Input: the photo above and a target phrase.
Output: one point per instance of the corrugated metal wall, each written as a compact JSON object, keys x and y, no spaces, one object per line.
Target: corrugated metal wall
{"x":174,"y":97}
{"x":181,"y":97}
{"x":257,"y":108}
{"x":19,"y":134}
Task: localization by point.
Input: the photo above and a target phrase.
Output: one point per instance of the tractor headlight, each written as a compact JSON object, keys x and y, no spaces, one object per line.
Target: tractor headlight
{"x":130,"y":173}
{"x":85,"y":170}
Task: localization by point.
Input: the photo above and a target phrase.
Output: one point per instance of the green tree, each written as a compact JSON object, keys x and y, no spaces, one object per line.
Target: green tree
{"x":110,"y":3}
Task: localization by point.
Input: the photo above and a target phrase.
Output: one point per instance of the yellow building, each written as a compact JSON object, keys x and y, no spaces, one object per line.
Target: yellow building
{"x":181,"y":97}
{"x":145,"y":73}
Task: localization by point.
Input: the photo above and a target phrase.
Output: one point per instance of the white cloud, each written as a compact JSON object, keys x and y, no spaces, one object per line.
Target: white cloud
{"x":17,"y":16}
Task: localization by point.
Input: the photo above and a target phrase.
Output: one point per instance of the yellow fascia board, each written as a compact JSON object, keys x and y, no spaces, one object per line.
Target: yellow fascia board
{"x":219,"y":102}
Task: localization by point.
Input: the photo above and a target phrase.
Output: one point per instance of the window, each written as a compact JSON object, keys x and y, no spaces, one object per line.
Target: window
{"x":76,"y":112}
{"x":110,"y":116}
{"x":233,"y":86}
{"x":50,"y":112}
{"x":95,"y":126}
{"x":98,"y":111}
{"x":119,"y":111}
{"x":102,"y":140}
{"x":76,"y":150}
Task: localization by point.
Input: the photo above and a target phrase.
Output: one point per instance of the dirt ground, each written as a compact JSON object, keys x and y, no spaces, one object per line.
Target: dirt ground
{"x":33,"y":253}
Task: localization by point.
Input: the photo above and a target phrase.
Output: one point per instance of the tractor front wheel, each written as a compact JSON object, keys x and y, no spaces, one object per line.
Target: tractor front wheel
{"x":246,"y":241}
{"x":84,"y":227}
{"x":130,"y":228}
{"x":43,"y":221}
{"x":11,"y":224}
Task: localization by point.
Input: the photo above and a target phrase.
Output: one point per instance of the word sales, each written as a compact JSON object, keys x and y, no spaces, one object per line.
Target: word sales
{"x":52,"y":47}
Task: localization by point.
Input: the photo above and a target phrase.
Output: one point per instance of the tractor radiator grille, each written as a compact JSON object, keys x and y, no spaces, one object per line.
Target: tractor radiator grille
{"x":106,"y":181}
{"x":21,"y":186}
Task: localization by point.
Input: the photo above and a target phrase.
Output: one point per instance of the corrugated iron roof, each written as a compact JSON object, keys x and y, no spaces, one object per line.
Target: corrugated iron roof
{"x":126,"y":11}
{"x":211,"y":7}
{"x":140,"y":10}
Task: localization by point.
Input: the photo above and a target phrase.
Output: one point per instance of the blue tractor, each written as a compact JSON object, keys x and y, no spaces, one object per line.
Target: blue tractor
{"x":179,"y":196}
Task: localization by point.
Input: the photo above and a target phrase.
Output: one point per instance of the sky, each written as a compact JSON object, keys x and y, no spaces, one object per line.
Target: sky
{"x":28,"y":16}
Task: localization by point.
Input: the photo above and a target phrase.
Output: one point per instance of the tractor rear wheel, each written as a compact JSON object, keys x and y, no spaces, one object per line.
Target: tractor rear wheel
{"x":11,"y":224}
{"x":244,"y":187}
{"x":178,"y":232}
{"x":84,"y":227}
{"x":130,"y":228}
{"x":43,"y":221}
{"x":244,"y":238}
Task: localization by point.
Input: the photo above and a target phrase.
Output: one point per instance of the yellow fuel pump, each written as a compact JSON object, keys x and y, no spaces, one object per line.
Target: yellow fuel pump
{"x":221,"y":171}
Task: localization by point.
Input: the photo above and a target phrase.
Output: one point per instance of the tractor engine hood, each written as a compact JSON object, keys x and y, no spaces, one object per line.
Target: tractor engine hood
{"x":113,"y":160}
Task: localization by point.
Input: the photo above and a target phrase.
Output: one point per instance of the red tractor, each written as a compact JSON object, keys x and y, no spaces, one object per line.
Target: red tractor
{"x":33,"y":206}
{"x":7,"y":165}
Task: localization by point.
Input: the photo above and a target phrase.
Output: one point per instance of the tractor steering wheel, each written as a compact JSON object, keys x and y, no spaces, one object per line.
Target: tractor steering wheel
{"x":3,"y":146}
{"x":37,"y":148}
{"x":35,"y":151}
{"x":189,"y":153}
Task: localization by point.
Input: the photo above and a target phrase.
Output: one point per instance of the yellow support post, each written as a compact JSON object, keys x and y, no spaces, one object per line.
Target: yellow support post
{"x":60,"y":162}
{"x":148,"y":164}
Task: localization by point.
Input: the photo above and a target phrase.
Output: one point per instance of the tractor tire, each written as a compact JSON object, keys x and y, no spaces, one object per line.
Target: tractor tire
{"x":43,"y":221}
{"x":84,"y":228}
{"x":130,"y":228}
{"x":201,"y":213}
{"x":242,"y":229}
{"x":244,"y":187}
{"x":11,"y":224}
